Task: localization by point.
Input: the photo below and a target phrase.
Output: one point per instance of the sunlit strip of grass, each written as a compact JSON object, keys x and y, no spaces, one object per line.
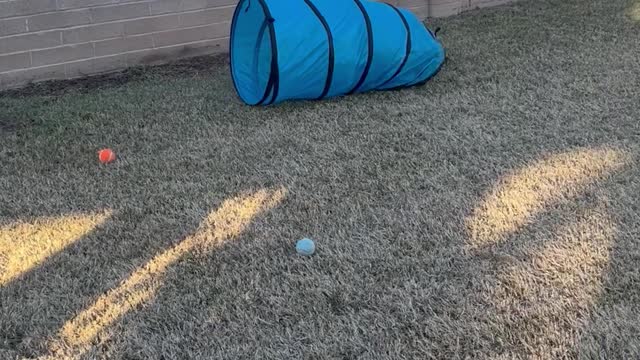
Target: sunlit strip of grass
{"x":520,"y":196}
{"x":26,"y":244}
{"x":634,"y":11}
{"x":225,"y":223}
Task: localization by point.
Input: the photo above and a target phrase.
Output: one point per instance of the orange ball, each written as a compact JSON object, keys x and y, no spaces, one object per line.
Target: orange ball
{"x":106,"y":156}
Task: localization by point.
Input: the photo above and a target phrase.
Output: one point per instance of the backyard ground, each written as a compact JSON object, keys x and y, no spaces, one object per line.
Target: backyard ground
{"x":492,"y":213}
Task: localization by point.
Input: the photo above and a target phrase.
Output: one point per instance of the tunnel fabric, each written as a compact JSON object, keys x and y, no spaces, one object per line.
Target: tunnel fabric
{"x":313,"y":49}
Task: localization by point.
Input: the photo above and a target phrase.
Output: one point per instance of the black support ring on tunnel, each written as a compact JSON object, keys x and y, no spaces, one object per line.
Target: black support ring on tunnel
{"x":327,"y":84}
{"x":256,"y":52}
{"x":274,"y":76}
{"x":365,"y":72}
{"x":273,"y":83}
{"x":408,"y":47}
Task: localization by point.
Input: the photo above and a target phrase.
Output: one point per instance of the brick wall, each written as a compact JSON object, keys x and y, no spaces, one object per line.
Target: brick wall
{"x":54,"y":39}
{"x":57,"y":39}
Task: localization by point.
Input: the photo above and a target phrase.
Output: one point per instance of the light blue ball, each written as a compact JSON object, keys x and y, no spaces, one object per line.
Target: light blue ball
{"x":305,"y":247}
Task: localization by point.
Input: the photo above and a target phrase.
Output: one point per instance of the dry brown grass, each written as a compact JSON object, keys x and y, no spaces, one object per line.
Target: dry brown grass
{"x":492,"y":213}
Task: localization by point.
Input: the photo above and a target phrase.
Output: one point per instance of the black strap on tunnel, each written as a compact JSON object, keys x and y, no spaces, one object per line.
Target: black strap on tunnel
{"x":256,"y":54}
{"x":407,"y":49}
{"x":274,"y":77}
{"x":327,"y":84}
{"x":365,"y":72}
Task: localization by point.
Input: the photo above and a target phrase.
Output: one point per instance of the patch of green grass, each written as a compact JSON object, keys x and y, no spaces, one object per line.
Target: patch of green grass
{"x":493,"y":212}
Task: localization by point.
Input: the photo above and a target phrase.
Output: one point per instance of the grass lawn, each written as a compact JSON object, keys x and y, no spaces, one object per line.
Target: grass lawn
{"x":492,"y":213}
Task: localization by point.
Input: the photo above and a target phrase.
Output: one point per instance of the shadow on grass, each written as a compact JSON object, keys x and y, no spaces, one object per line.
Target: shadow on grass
{"x":51,"y":188}
{"x":544,"y":290}
{"x":388,"y":203}
{"x":226,"y":223}
{"x":386,"y":184}
{"x":65,"y":281}
{"x":63,"y":264}
{"x":188,"y":67}
{"x":393,"y":254}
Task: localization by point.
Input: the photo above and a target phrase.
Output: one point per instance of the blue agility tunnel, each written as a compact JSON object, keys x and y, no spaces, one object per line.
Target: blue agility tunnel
{"x":313,"y":49}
